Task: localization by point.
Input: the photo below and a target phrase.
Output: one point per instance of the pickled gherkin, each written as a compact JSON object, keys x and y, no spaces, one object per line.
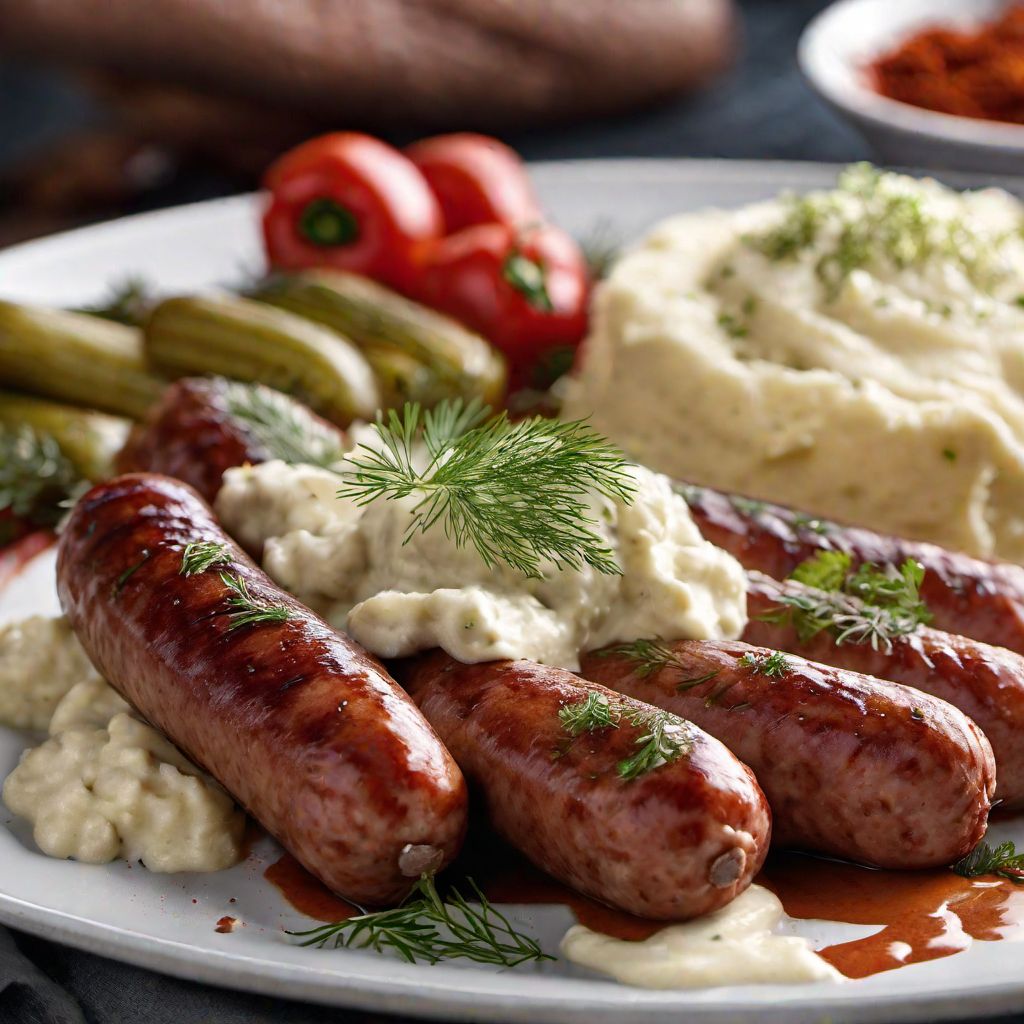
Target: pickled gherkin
{"x":457,"y":362}
{"x":250,"y":341}
{"x":89,"y":440}
{"x":75,"y":358}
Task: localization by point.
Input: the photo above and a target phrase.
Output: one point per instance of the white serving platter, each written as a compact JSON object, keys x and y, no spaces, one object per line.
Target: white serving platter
{"x":166,"y":922}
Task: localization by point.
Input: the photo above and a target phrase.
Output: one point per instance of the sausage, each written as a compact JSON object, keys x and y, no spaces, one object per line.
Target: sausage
{"x":966,"y":595}
{"x":193,"y":435}
{"x":676,"y":842}
{"x":984,"y":682}
{"x":298,"y":723}
{"x":852,"y":766}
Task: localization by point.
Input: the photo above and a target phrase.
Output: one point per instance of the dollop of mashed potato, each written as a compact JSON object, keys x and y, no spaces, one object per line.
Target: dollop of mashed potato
{"x":399,"y":593}
{"x":106,"y":785}
{"x":40,"y":660}
{"x":857,"y":353}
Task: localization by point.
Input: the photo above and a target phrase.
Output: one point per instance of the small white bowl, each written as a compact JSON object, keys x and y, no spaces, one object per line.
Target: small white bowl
{"x":836,"y":50}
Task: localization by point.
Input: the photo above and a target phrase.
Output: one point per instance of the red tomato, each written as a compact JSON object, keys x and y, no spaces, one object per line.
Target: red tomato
{"x":525,"y":290}
{"x":350,"y":201}
{"x":477,"y":180}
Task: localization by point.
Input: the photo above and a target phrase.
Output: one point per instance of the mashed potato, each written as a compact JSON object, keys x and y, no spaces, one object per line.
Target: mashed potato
{"x":858,"y":354}
{"x":399,"y":593}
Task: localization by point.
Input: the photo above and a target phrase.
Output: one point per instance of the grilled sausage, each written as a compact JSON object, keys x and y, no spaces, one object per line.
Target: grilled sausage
{"x":986,"y":683}
{"x":673,"y":843}
{"x":195,"y":433}
{"x":854,"y":767}
{"x":966,"y":595}
{"x":300,"y":725}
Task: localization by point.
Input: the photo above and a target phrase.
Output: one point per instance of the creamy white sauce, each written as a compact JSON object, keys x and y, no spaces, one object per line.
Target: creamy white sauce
{"x":736,"y":945}
{"x":106,"y":785}
{"x":40,"y":660}
{"x":895,"y":401}
{"x":398,"y":594}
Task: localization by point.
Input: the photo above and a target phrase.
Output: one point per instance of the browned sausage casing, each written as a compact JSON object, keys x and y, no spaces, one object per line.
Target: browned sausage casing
{"x":676,"y":842}
{"x":985,"y":682}
{"x":298,"y":723}
{"x":966,"y":595}
{"x":865,"y":770}
{"x":191,"y":434}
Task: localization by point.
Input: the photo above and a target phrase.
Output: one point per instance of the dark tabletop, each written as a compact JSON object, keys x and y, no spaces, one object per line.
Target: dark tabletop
{"x":762,"y":110}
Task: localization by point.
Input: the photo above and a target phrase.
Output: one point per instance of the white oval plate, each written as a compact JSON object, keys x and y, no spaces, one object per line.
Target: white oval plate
{"x":166,"y":922}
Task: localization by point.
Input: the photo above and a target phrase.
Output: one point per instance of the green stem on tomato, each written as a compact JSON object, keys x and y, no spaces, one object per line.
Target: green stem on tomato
{"x":326,"y":222}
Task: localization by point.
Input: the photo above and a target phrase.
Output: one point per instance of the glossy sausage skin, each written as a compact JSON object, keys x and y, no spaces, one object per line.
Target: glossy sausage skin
{"x":676,"y":842}
{"x":192,"y":435}
{"x":298,"y":723}
{"x":852,"y":767}
{"x":985,"y":682}
{"x":966,"y":595}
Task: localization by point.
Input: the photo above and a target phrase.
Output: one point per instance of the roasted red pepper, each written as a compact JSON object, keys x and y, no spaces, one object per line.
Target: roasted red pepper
{"x":525,"y":289}
{"x":477,"y":180}
{"x":350,"y":201}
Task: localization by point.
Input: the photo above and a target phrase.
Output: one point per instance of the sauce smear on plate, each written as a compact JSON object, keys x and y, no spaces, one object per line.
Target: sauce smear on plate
{"x":924,"y":915}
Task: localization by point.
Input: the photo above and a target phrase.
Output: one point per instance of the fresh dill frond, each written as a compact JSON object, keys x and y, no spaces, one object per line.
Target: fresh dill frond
{"x":246,"y":610}
{"x":517,"y":492}
{"x":773,"y":665}
{"x":1003,"y":860}
{"x":601,"y":248}
{"x":591,"y":713}
{"x":201,"y":555}
{"x":286,"y":428}
{"x":872,"y":605}
{"x":127,"y":302}
{"x":647,"y":655}
{"x":36,"y":477}
{"x":665,"y":738}
{"x":429,"y":929}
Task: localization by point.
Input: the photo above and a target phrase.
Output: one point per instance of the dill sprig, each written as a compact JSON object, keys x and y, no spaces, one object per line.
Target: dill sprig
{"x":665,"y":738}
{"x":201,"y":555}
{"x":773,"y":665}
{"x":246,"y":610}
{"x":872,"y":218}
{"x":871,"y":605}
{"x":286,"y":428}
{"x":1003,"y":861}
{"x":518,"y":492}
{"x":36,"y":477}
{"x":127,"y":302}
{"x":427,"y":928}
{"x":591,"y":713}
{"x":648,"y":655}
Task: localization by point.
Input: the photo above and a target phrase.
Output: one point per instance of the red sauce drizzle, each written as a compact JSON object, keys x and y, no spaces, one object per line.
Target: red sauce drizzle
{"x":926,"y":915}
{"x":922,"y":915}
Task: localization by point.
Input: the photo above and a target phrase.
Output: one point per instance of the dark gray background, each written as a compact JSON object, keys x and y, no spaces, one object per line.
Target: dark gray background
{"x":760,"y":110}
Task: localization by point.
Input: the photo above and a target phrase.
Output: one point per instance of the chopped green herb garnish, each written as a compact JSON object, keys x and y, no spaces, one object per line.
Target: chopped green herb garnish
{"x":246,"y":610}
{"x":199,"y":556}
{"x":286,"y":428}
{"x":665,"y":739}
{"x":870,"y":605}
{"x":648,"y":655}
{"x":1003,"y":861}
{"x":873,"y":218}
{"x":949,"y":455}
{"x":773,"y":665}
{"x":591,"y":713}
